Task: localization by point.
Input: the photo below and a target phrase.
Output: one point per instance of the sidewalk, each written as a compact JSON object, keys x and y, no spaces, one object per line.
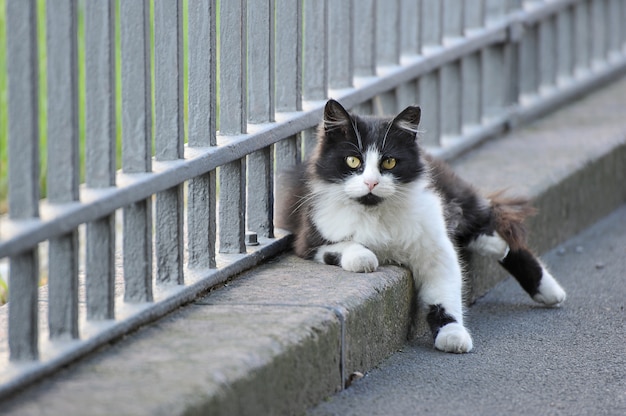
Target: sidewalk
{"x":528,"y":360}
{"x":284,"y":336}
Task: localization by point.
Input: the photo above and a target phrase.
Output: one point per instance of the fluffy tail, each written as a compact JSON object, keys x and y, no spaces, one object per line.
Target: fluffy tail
{"x":509,"y":214}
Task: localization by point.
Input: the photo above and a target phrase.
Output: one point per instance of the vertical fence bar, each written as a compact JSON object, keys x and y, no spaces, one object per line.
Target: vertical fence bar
{"x":63,"y":167}
{"x":260,"y":204}
{"x":493,"y":67}
{"x":598,"y":30}
{"x":232,"y":207}
{"x":528,"y":63}
{"x":409,"y":46}
{"x":100,"y":150}
{"x":547,"y":54}
{"x":289,"y":72}
{"x":136,"y":146}
{"x":582,"y":36}
{"x":430,"y":24}
{"x":288,"y":55}
{"x":315,"y":59}
{"x":22,"y":71}
{"x":233,"y":107}
{"x":169,"y":136}
{"x":387,"y":50}
{"x":565,"y":48}
{"x":512,"y":58}
{"x":409,"y":27}
{"x":233,"y":86}
{"x":470,"y":68}
{"x":364,"y":38}
{"x":428,"y":84}
{"x":450,"y":100}
{"x":615,"y":27}
{"x":201,"y":191}
{"x":261,"y":61}
{"x":340,"y":47}
{"x":623,"y":29}
{"x":387,"y":33}
{"x":315,"y":65}
{"x":260,"y":191}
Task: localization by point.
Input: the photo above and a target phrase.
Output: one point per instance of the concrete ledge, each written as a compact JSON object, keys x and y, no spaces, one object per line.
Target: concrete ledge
{"x":281,"y":337}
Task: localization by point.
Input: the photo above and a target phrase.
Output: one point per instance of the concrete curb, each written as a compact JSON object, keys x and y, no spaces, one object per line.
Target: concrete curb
{"x":280,"y":338}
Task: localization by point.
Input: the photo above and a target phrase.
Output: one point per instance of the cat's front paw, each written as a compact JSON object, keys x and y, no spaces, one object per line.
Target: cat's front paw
{"x":359,"y":259}
{"x":453,"y":338}
{"x":550,"y":293}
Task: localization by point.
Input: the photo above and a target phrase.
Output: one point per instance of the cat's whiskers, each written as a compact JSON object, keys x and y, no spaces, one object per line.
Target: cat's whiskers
{"x":386,"y":134}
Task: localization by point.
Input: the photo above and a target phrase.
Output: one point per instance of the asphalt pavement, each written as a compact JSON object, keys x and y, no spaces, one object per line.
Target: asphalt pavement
{"x":527,"y":359}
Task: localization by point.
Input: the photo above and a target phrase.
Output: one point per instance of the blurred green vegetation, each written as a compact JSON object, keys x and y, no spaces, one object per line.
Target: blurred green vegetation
{"x":41,"y":34}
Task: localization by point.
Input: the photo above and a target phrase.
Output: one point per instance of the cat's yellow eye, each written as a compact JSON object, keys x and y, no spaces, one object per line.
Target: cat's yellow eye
{"x":389,"y":163}
{"x":353,"y":162}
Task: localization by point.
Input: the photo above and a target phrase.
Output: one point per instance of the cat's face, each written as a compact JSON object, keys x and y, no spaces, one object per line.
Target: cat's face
{"x":370,"y":158}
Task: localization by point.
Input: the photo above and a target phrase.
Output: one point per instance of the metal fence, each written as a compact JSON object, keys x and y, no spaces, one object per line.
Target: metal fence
{"x":189,"y":210}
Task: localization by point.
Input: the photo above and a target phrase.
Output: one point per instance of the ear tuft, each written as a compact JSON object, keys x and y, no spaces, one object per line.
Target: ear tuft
{"x":408,"y":119}
{"x":335,"y":115}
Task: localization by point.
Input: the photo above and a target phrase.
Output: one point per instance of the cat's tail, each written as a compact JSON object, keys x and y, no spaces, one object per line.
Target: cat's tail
{"x":509,"y":214}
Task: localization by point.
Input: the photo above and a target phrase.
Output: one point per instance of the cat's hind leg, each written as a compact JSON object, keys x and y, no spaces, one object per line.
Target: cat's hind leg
{"x":349,"y":255}
{"x":523,"y":265}
{"x":526,"y":268}
{"x":534,"y":277}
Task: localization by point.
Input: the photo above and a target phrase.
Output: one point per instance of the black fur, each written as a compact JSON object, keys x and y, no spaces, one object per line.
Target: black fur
{"x":437,"y":318}
{"x":333,"y":259}
{"x":525,"y":268}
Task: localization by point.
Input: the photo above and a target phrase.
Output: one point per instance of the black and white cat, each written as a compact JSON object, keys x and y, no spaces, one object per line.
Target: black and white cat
{"x":370,"y":195}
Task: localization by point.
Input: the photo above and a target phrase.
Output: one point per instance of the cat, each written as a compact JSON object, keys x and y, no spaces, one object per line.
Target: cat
{"x":370,"y":195}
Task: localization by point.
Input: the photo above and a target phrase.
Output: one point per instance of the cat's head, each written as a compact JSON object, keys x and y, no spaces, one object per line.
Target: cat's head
{"x":370,"y":157}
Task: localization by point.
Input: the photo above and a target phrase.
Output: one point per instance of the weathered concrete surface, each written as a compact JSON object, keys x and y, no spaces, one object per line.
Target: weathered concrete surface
{"x":272,"y":341}
{"x":528,"y":360}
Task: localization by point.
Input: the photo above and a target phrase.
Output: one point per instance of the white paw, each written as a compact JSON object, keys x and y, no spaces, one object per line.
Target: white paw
{"x":550,"y":292}
{"x":453,"y":338}
{"x":359,"y":259}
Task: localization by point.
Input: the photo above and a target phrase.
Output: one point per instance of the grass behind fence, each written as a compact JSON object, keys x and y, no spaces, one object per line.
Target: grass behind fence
{"x":41,"y":34}
{"x":42,"y":79}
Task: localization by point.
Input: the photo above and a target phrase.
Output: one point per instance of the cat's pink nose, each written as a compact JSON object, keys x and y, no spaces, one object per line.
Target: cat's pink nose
{"x":371,"y":184}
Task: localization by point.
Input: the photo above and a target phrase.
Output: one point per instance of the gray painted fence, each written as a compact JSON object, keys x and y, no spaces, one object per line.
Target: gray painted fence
{"x":157,"y":233}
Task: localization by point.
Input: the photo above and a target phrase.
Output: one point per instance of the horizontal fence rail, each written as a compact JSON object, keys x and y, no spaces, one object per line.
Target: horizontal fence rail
{"x":178,"y":188}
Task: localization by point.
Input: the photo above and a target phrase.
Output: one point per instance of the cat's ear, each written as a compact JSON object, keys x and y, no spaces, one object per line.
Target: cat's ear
{"x":409,"y":119}
{"x":336,"y":116}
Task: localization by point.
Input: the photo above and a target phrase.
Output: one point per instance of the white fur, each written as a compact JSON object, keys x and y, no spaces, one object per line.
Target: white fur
{"x":490,"y":245}
{"x":454,"y":338}
{"x":407,"y":228}
{"x":550,"y":292}
{"x":354,"y":257}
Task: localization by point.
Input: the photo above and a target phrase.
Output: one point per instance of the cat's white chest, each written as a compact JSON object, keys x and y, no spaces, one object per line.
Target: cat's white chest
{"x":396,"y":232}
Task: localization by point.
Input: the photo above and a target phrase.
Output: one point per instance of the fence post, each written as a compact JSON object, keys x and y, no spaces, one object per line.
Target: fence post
{"x":202,"y":194}
{"x":100,"y":163}
{"x":261,"y":86}
{"x":23,"y":75}
{"x":233,"y":106}
{"x":136,"y":146}
{"x":429,"y":84}
{"x":470,"y":68}
{"x":169,"y":137}
{"x":63,"y":169}
{"x":289,"y":72}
